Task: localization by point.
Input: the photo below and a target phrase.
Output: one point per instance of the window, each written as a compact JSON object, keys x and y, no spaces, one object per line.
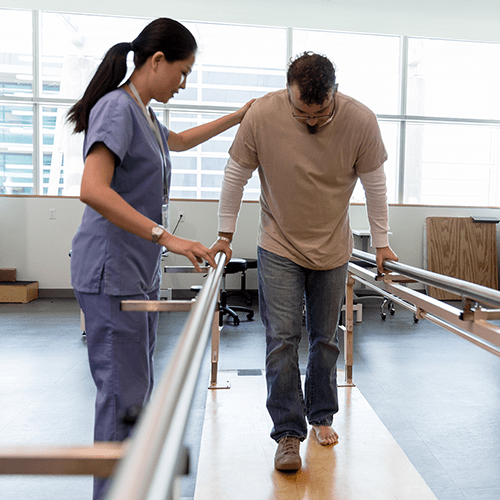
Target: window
{"x":197,"y":173}
{"x":450,"y":164}
{"x":73,"y":45}
{"x":16,"y":149}
{"x":367,"y":66}
{"x":38,"y":152}
{"x":16,"y":119}
{"x":62,"y":166}
{"x":16,"y":56}
{"x":390,"y":136}
{"x":234,"y":65}
{"x":437,"y":102}
{"x":452,"y":150}
{"x":453,"y":79}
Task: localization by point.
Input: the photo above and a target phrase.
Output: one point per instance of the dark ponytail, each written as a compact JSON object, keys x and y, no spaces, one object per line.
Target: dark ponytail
{"x":163,"y":34}
{"x":107,"y":77}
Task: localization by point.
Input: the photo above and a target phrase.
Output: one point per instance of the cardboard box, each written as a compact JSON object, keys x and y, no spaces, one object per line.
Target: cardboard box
{"x":19,"y":291}
{"x":8,"y":274}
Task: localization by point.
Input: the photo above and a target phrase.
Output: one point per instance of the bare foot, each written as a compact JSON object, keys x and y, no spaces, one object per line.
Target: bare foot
{"x":326,"y":434}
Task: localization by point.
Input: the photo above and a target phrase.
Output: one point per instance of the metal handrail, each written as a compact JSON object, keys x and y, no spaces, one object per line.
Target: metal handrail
{"x":464,"y":289}
{"x":154,"y":457}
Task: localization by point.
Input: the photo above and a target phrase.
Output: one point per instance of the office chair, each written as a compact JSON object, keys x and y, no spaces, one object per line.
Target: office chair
{"x":232,"y":267}
{"x":242,"y":292}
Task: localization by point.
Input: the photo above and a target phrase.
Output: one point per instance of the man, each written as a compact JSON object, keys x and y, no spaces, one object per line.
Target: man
{"x":310,"y":144}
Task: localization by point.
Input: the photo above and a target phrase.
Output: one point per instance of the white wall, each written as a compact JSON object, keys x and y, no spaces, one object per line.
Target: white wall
{"x":38,"y":246}
{"x":34,"y":244}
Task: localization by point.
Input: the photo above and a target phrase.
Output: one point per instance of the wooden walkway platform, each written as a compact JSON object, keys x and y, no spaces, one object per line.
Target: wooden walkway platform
{"x":237,"y":455}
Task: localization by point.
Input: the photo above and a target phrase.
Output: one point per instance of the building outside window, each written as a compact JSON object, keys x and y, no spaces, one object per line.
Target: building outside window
{"x":437,"y":102}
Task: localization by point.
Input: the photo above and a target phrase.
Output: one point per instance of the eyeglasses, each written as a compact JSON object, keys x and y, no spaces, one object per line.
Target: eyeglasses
{"x":328,"y":116}
{"x":313,"y":117}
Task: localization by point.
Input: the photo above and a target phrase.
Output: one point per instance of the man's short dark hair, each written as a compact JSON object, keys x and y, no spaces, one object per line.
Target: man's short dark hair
{"x":314,"y":75}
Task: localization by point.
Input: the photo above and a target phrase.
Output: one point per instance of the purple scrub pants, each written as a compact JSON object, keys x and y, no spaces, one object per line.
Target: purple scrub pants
{"x":120,"y":349}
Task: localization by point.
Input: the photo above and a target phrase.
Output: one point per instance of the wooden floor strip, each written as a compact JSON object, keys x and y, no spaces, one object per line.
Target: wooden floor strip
{"x":237,"y":455}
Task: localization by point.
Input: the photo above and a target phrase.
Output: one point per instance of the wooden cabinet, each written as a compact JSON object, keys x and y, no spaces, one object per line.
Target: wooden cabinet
{"x":464,"y":248}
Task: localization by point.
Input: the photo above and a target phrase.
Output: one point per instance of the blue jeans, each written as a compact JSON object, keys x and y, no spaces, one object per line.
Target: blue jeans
{"x":120,"y":348}
{"x":282,"y":286}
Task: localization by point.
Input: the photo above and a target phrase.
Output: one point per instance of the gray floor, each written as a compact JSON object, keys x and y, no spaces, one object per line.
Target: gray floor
{"x":437,"y":394}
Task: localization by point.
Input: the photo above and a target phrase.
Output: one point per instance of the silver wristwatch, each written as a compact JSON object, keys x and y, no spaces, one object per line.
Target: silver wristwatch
{"x":156,"y":233}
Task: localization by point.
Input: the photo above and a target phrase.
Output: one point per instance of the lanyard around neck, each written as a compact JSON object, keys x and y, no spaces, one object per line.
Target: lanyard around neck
{"x":156,"y":132}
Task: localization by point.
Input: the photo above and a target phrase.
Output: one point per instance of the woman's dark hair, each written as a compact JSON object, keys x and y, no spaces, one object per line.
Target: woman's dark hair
{"x":314,"y":75}
{"x":163,"y":35}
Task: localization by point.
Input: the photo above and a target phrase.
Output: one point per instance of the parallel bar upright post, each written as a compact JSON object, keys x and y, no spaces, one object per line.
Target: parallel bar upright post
{"x":215,"y":347}
{"x":349,"y":330}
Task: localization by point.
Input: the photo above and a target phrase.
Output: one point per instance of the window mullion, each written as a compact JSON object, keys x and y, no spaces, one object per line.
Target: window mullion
{"x":289,"y":46}
{"x":37,"y":155}
{"x":402,"y":111}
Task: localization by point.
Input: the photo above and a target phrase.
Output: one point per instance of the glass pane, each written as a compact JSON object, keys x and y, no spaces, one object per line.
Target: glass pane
{"x":16,"y":53}
{"x":197,"y":173}
{"x":73,"y":46}
{"x":16,"y":149}
{"x":62,"y":154}
{"x":367,"y":66}
{"x":452,"y":165}
{"x":235,"y":64}
{"x":453,"y":79}
{"x":390,"y":136}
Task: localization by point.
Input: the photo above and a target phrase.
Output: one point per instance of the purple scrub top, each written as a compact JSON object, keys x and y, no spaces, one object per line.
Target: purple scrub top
{"x":129,"y":265}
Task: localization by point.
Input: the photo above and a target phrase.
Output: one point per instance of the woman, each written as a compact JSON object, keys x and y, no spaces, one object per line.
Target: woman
{"x":116,"y":251}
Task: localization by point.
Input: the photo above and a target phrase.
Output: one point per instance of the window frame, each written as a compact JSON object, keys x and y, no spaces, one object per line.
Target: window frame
{"x":38,"y":101}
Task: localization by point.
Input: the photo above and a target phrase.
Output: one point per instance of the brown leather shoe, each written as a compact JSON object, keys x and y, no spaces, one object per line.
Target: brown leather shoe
{"x":287,"y":455}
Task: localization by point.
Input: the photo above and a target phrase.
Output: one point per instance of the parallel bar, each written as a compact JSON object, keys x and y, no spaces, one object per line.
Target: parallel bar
{"x":464,"y":289}
{"x":493,"y":314}
{"x":184,"y":269}
{"x":99,"y":459}
{"x":361,"y":275}
{"x":148,"y":470}
{"x":157,"y":305}
{"x":472,"y":326}
{"x":166,"y":415}
{"x":460,"y":333}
